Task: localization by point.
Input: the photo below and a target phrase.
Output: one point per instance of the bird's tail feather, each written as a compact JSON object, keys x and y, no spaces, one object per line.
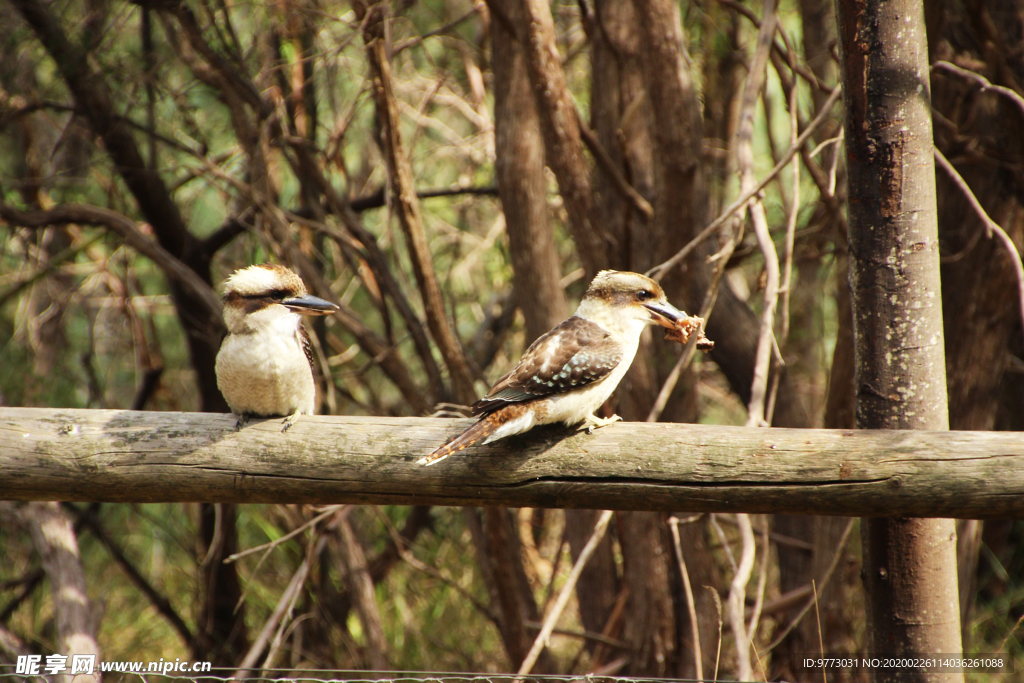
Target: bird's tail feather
{"x":474,"y":435}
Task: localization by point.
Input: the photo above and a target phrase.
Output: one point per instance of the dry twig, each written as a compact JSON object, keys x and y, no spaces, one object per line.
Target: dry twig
{"x":737,"y":598}
{"x":990,"y":226}
{"x":824,"y":581}
{"x":756,"y":408}
{"x":658,"y":271}
{"x":408,"y":209}
{"x":279,"y":616}
{"x":124,"y":226}
{"x":983,"y":83}
{"x":564,"y":596}
{"x":691,"y":607}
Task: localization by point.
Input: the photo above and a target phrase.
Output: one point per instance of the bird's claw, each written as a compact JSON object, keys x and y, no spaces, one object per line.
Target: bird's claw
{"x":592,"y":422}
{"x":289,"y":421}
{"x":243,"y":420}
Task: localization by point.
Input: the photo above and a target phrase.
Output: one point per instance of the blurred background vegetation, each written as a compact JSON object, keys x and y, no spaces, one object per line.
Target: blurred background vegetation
{"x":212,"y":134}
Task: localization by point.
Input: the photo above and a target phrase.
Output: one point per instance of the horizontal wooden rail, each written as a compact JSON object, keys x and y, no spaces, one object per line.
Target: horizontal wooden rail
{"x":125,"y":456}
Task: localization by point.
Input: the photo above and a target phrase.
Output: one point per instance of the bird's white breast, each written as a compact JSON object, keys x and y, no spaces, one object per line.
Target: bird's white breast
{"x":574,"y":406}
{"x":265,"y":371}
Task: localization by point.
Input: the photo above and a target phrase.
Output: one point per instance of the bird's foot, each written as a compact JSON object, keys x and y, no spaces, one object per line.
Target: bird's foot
{"x":290,"y":420}
{"x":243,"y":420}
{"x":592,"y":422}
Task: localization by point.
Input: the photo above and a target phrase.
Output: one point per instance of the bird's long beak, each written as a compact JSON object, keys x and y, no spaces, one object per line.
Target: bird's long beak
{"x":310,"y":305}
{"x":665,"y":314}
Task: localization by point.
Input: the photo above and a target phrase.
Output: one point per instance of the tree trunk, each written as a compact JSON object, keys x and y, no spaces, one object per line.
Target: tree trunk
{"x":561,"y":130}
{"x":57,"y":545}
{"x":220,"y":635}
{"x":519,"y":168}
{"x":520,"y":171}
{"x":650,"y":622}
{"x":909,"y":565}
{"x":501,"y":562}
{"x":407,"y":205}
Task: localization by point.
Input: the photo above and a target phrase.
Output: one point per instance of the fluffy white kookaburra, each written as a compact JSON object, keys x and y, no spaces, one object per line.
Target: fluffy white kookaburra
{"x":265,"y":364}
{"x":569,"y":372}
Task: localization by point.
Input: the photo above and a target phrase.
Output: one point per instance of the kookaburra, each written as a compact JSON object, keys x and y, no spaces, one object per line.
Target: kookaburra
{"x":569,"y":372}
{"x":265,"y":364}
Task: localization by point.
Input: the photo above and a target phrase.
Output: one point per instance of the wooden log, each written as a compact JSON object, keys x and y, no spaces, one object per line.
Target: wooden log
{"x":126,"y":456}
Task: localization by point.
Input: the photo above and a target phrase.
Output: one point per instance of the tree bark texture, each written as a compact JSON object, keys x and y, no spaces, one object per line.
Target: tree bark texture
{"x":621,"y":118}
{"x":560,"y":127}
{"x":519,"y":168}
{"x":909,"y":565}
{"x":125,"y":456}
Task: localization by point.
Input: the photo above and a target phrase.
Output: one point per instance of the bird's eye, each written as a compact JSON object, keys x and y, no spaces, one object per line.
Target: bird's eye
{"x":279,"y":295}
{"x":644,"y":295}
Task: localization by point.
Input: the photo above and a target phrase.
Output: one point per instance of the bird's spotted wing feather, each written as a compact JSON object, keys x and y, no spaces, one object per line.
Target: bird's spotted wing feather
{"x":572,"y":355}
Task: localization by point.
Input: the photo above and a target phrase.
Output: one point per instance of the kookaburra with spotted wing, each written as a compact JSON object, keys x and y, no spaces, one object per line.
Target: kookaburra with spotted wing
{"x":265,"y":364}
{"x":569,"y":372}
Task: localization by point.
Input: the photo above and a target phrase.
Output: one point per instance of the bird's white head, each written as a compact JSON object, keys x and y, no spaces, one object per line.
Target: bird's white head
{"x":266,"y":293}
{"x":623,"y":302}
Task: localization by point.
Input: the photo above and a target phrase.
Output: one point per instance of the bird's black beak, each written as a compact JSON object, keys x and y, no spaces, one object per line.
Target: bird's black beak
{"x":310,"y":305}
{"x":665,"y":314}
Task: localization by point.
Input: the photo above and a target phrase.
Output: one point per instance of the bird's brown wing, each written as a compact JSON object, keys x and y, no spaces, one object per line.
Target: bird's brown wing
{"x":307,"y":347}
{"x":572,"y":355}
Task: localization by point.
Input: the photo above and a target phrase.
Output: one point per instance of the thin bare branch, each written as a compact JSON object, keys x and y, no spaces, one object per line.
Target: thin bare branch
{"x":410,"y":558}
{"x":584,"y":635}
{"x":619,"y":181}
{"x":825,"y":578}
{"x":784,"y":51}
{"x":756,"y":415}
{"x":361,"y":589}
{"x":821,"y":642}
{"x":407,"y":205}
{"x":376,"y":200}
{"x":718,"y":609}
{"x":737,"y":597}
{"x":284,"y":607}
{"x":990,"y":226}
{"x":560,"y":128}
{"x":160,"y":602}
{"x":745,"y":161}
{"x":564,"y":596}
{"x":126,"y":228}
{"x":762,"y":581}
{"x":721,"y":259}
{"x":794,"y":209}
{"x":982,"y":82}
{"x":413,"y":42}
{"x":691,"y":606}
{"x":658,"y":271}
{"x":291,"y":534}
